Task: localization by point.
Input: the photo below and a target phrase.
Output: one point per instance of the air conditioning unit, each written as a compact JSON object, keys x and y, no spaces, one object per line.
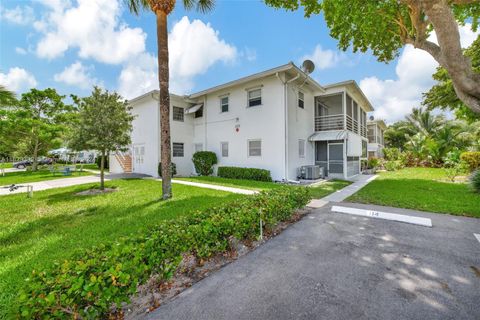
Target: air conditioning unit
{"x":311,"y":172}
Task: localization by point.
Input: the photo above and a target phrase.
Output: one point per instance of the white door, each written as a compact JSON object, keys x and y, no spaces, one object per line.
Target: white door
{"x":138,"y":159}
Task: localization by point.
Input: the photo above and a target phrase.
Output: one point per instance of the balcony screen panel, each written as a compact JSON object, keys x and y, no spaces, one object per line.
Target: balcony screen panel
{"x":335,"y":152}
{"x":334,"y":103}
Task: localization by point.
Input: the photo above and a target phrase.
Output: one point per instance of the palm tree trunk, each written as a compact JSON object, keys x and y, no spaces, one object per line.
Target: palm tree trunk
{"x":163,"y":78}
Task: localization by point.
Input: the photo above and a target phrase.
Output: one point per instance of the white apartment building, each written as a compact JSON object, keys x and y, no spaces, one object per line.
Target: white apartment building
{"x":279,"y":120}
{"x":375,"y":129}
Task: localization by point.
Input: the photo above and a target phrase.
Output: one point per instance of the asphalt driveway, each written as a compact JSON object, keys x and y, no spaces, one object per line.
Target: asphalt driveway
{"x":338,"y":266}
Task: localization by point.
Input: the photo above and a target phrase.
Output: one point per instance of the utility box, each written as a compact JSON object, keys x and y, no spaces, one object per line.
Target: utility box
{"x":311,"y":172}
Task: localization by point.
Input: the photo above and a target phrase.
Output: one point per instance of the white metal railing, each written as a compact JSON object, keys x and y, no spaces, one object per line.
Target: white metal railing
{"x":330,"y":122}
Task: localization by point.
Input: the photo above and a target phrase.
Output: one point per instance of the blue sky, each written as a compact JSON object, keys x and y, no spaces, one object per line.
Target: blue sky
{"x":71,"y":45}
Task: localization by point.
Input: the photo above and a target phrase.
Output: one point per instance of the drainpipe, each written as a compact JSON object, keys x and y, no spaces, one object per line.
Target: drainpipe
{"x":285,"y":115}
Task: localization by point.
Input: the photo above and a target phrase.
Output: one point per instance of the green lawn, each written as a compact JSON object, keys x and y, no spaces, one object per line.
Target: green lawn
{"x":29,"y":176}
{"x":423,"y":189}
{"x":317,"y":192}
{"x":54,"y":223}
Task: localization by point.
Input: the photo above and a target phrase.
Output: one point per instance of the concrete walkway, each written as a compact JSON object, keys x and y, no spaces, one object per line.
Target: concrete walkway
{"x":342,"y":194}
{"x":67,"y":182}
{"x":336,"y":266}
{"x":213,"y":186}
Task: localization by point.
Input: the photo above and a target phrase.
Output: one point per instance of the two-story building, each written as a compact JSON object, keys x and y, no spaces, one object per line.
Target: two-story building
{"x":279,"y":120}
{"x":375,"y":128}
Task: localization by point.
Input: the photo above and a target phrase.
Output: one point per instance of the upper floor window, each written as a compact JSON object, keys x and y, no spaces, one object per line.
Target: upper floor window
{"x":224,"y":104}
{"x":254,"y":148}
{"x":301,"y":100}
{"x":254,"y":97}
{"x":178,"y":114}
{"x":177,"y":149}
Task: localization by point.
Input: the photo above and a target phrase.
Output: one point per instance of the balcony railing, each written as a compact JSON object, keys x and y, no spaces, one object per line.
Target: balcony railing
{"x":337,"y":122}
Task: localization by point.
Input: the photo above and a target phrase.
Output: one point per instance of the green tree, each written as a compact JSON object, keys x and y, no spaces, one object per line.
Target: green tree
{"x":36,"y":123}
{"x":161,"y":9}
{"x":397,"y":134}
{"x":442,"y":95}
{"x":7,"y":97}
{"x":384,"y":27}
{"x":104,"y":124}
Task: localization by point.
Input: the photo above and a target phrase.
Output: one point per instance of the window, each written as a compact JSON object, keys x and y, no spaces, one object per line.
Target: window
{"x":301,"y":148}
{"x":301,"y":100}
{"x":224,"y":104}
{"x":178,"y":149}
{"x":224,"y":147}
{"x":198,"y":147}
{"x":254,"y":97}
{"x":254,"y":148}
{"x":199,"y":113}
{"x":178,"y":114}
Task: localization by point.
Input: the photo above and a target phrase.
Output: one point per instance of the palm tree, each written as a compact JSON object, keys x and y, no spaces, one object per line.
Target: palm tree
{"x":6,"y":96}
{"x":161,"y":9}
{"x":424,"y":121}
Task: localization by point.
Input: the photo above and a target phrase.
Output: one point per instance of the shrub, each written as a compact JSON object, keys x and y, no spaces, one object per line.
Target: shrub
{"x":454,"y":170}
{"x":472,"y":159}
{"x":391,"y":154}
{"x":244,"y":173}
{"x":372,"y":163}
{"x":475,"y":180}
{"x":204,"y":162}
{"x":106,"y":164}
{"x":91,"y":282}
{"x":392,"y":165}
{"x":173,"y":169}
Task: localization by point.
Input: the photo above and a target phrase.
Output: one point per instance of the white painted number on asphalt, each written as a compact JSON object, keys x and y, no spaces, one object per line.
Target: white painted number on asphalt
{"x":477,"y":236}
{"x":384,"y":215}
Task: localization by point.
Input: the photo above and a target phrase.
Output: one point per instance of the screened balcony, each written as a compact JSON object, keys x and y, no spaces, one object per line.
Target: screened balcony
{"x":339,"y":112}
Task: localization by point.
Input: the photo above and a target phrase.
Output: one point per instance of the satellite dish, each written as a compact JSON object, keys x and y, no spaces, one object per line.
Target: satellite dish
{"x":308,"y":66}
{"x":371,"y":118}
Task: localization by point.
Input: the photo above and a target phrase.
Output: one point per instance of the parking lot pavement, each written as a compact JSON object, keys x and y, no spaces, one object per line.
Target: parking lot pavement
{"x":338,"y":266}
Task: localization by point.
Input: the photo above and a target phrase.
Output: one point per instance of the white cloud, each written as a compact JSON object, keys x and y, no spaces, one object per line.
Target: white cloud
{"x":395,"y":98}
{"x":18,"y":80}
{"x":93,"y":27}
{"x":20,"y":51}
{"x":76,"y":75}
{"x":324,"y":58}
{"x":18,"y":15}
{"x":193,"y":48}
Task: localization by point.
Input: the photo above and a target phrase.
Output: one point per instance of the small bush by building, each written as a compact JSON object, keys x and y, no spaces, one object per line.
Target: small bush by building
{"x":204,"y":162}
{"x":244,"y":173}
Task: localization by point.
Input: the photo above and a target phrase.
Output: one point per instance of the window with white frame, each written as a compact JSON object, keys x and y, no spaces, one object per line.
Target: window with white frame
{"x":224,"y":104}
{"x":178,"y":114}
{"x":198,"y":147}
{"x":301,"y":100}
{"x":254,"y":97}
{"x":224,"y":147}
{"x":177,"y":149}
{"x":254,"y":148}
{"x":301,"y":148}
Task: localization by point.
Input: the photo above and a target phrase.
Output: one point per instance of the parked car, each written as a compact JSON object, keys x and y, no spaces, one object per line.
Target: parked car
{"x":26,"y":163}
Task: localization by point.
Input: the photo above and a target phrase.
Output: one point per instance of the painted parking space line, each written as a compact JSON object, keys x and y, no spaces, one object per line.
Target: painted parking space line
{"x":384,"y":215}
{"x":477,"y":236}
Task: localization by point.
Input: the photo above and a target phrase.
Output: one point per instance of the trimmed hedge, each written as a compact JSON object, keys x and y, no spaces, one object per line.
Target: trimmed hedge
{"x":244,"y":173}
{"x":204,"y":162}
{"x":91,"y":282}
{"x":472,"y":159}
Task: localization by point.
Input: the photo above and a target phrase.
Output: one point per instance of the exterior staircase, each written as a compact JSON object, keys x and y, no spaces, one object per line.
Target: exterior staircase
{"x":125,"y":161}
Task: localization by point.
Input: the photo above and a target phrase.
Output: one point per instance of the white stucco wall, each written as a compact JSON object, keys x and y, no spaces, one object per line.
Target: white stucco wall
{"x":264,"y":122}
{"x":300,"y":127}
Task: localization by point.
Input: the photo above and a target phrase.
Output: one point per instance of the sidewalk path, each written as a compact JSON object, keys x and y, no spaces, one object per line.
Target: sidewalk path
{"x":342,"y":194}
{"x":214,"y":187}
{"x":67,"y":182}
